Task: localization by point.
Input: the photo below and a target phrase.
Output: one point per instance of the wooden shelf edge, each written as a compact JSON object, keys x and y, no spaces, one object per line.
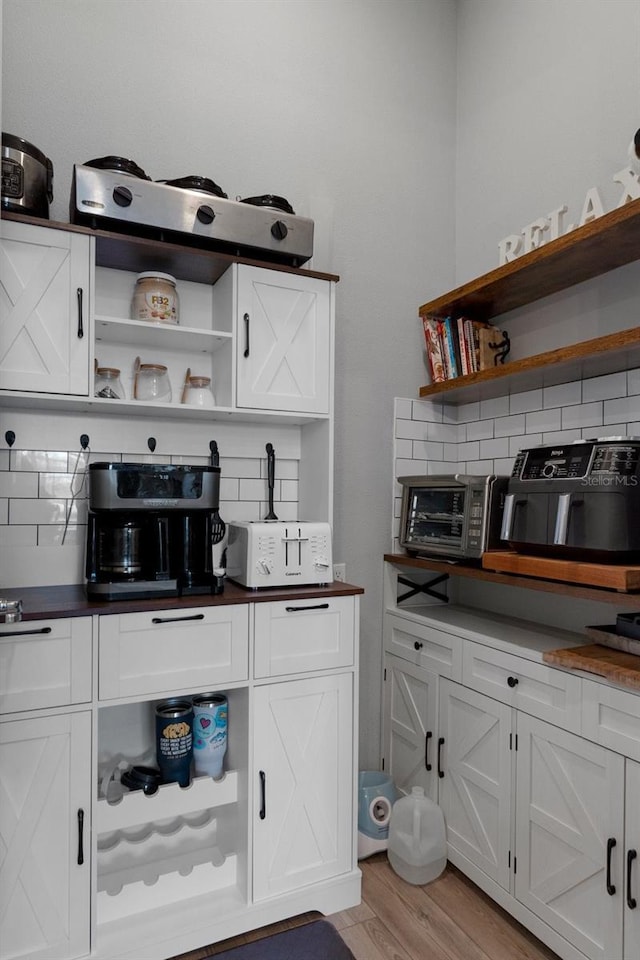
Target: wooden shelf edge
{"x":599,"y":594}
{"x":607,"y":354}
{"x":595,"y":248}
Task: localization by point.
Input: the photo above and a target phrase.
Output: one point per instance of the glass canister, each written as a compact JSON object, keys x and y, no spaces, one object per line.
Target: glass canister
{"x":152,"y":383}
{"x":155,"y":298}
{"x":108,"y":383}
{"x":198,"y":393}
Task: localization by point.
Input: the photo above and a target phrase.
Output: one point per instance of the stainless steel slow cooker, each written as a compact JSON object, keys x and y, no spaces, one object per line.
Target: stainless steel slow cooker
{"x":27,"y":177}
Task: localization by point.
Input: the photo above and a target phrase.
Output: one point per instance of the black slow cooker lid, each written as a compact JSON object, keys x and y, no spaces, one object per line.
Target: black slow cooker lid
{"x":269,"y":200}
{"x":203,"y":184}
{"x":118,"y":165}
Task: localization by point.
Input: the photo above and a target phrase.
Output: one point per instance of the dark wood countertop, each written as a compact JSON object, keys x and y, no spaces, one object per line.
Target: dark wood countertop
{"x":52,"y":602}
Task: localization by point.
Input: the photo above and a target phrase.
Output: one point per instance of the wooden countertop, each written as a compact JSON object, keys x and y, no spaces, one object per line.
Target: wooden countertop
{"x":52,"y":602}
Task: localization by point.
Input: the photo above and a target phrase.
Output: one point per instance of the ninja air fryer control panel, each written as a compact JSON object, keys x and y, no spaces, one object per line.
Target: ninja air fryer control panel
{"x":576,"y":461}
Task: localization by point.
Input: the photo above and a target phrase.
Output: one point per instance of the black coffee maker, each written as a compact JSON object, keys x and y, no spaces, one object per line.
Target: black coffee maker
{"x":149,"y":530}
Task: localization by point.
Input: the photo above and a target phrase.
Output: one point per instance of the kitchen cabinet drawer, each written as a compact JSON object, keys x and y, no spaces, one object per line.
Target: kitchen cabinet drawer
{"x":45,"y":663}
{"x":541,"y":691}
{"x":166,"y":651}
{"x":302,"y":635}
{"x":424,"y":645}
{"x":611,"y":717}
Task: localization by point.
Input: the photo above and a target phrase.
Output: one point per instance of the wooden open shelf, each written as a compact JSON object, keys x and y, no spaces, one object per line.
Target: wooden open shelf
{"x":604,"y":244}
{"x":601,"y":594}
{"x":591,"y":358}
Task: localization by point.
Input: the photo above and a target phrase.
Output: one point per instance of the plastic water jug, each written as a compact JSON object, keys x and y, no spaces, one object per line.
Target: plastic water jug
{"x":417,"y":844}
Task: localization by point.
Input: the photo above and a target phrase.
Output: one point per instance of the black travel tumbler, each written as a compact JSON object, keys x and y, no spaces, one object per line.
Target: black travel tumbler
{"x":174,"y":740}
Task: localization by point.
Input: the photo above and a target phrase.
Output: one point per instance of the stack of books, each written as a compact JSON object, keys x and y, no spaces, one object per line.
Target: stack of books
{"x":460,"y":346}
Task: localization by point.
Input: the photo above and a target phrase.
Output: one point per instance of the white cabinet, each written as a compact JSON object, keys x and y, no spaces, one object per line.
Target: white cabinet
{"x":569,"y":836}
{"x":303,"y":783}
{"x":45,"y":837}
{"x":631,"y":889}
{"x":474,"y":767}
{"x":410,"y":734}
{"x":45,"y":298}
{"x":284,"y":341}
{"x":303,"y":635}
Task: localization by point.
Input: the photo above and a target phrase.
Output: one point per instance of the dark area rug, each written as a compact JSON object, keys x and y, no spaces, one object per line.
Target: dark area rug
{"x":318,"y":940}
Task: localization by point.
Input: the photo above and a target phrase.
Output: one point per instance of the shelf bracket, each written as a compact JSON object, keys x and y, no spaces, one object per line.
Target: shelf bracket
{"x":426,"y":588}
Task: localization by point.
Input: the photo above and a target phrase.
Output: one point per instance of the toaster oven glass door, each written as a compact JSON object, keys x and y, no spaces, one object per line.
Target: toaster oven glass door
{"x":435,"y":518}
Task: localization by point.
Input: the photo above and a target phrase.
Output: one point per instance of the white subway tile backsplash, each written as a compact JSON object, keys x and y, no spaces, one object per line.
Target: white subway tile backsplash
{"x":56,"y":535}
{"x":478,"y":467}
{"x":252,"y":490}
{"x":525,"y":402}
{"x":435,"y":467}
{"x":20,"y":535}
{"x":56,"y":485}
{"x":289,"y":490}
{"x":40,"y":460}
{"x":542,"y":421}
{"x":480,"y":430}
{"x":426,"y":410}
{"x":404,"y":448}
{"x":450,"y":451}
{"x":624,"y":409}
{"x":427,"y":451}
{"x":503,"y":467}
{"x":4,"y":459}
{"x":4,"y":511}
{"x":582,"y":415}
{"x":633,"y":381}
{"x":509,"y":426}
{"x":445,"y":432}
{"x":411,"y":430}
{"x":562,"y":395}
{"x":229,"y":488}
{"x":469,"y":451}
{"x":237,"y":467}
{"x":490,"y":449}
{"x":449,"y":413}
{"x":562,"y":436}
{"x":468,"y":411}
{"x":604,"y":388}
{"x":402,"y":409}
{"x":405,"y":468}
{"x":524,"y":442}
{"x":496,"y":407}
{"x":46,"y":511}
{"x":18,"y":484}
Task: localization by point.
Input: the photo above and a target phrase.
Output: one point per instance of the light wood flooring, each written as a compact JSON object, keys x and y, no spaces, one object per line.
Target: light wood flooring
{"x":448,"y":919}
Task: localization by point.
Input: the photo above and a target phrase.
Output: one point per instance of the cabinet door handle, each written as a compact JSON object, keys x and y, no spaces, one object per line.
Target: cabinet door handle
{"x":246,"y":335}
{"x":418,"y":645}
{"x":80,"y":837}
{"x":263,"y":795}
{"x":80,"y":326}
{"x":610,"y":886}
{"x":26,"y":633}
{"x":440,"y":746}
{"x":314,"y":606}
{"x":512,"y":681}
{"x":428,"y":737}
{"x":195,"y":616}
{"x":631,"y":901}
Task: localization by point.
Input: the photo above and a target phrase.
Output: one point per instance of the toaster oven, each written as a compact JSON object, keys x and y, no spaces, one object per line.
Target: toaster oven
{"x":454,"y":515}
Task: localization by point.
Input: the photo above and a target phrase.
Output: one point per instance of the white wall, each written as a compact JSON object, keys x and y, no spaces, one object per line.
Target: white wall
{"x":347,"y":108}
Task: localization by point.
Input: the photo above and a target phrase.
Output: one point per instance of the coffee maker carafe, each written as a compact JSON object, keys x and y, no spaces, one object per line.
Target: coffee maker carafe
{"x":149,"y":530}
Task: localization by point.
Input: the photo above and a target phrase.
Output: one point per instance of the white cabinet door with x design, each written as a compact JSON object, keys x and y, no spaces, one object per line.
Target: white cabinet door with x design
{"x":44,"y":310}
{"x":45,"y":805}
{"x":285,"y":338}
{"x":303,"y":760}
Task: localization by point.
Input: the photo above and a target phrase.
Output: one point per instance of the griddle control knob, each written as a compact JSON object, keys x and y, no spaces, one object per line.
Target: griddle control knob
{"x":279,"y":230}
{"x":122,"y":196}
{"x":205,"y":214}
{"x":549,"y":470}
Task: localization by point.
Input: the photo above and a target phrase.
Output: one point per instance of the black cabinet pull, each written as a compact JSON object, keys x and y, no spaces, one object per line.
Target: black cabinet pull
{"x":80,"y":326}
{"x":26,"y":633}
{"x":246,"y":335}
{"x":195,"y":616}
{"x":314,"y":606}
{"x":428,"y":737}
{"x":631,"y":901}
{"x":80,"y":838}
{"x":440,"y":746}
{"x":610,"y":886}
{"x":418,"y":645}
{"x":263,"y":795}
{"x":512,"y":681}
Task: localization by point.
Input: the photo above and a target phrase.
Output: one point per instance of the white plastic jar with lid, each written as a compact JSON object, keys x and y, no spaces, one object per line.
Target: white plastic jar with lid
{"x":155,"y":298}
{"x":198,"y":392}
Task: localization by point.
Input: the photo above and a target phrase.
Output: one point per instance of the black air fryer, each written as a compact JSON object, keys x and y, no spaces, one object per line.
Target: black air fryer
{"x":578,"y":501}
{"x":149,"y":530}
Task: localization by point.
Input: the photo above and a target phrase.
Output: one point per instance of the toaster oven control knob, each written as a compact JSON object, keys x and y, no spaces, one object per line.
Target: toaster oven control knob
{"x":205,"y":214}
{"x":264,"y":565}
{"x":279,"y":230}
{"x":122,"y":196}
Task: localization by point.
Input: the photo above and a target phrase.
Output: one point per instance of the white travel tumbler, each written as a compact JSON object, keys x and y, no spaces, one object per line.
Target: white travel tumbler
{"x":210,"y":716}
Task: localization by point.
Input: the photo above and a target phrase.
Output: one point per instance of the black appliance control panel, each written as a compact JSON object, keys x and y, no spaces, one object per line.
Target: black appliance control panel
{"x":576,"y":461}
